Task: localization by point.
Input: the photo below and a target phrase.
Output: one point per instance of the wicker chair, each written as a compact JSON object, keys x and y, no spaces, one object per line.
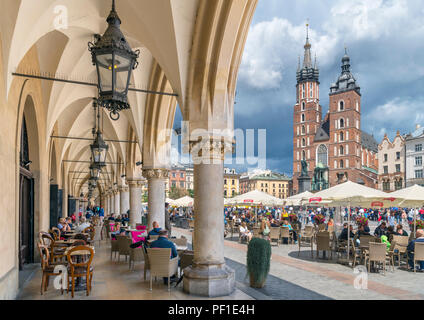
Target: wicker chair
{"x":123,"y":246}
{"x":376,"y":253}
{"x":146,"y":262}
{"x":285,"y":234}
{"x":323,"y":242}
{"x":306,"y":239}
{"x":136,"y":255}
{"x":400,"y":246}
{"x":161,"y":265}
{"x":113,"y":247}
{"x":153,"y":237}
{"x":418,"y":253}
{"x":186,"y":260}
{"x":180,"y":242}
{"x":80,"y":268}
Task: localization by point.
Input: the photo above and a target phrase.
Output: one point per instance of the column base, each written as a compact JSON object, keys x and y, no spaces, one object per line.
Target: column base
{"x":209,"y":281}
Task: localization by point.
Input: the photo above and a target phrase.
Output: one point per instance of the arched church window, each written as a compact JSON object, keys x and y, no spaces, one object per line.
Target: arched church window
{"x":303,"y":130}
{"x":341,"y":164}
{"x":303,"y":117}
{"x":341,"y":105}
{"x":341,"y":150}
{"x":303,"y":155}
{"x":323,"y":154}
{"x":342,"y":123}
{"x":303,"y":106}
{"x":341,"y":136}
{"x":303,"y":142}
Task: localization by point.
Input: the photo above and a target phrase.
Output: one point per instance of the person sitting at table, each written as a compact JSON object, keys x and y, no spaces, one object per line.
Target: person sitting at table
{"x":400,"y":231}
{"x":163,"y":242}
{"x":343,"y":234}
{"x":244,"y":232}
{"x":390,"y":233}
{"x":274,"y":223}
{"x":69,"y":222}
{"x":381,"y":230}
{"x":155,"y":231}
{"x":60,"y":224}
{"x":288,"y":225}
{"x":411,"y":248}
{"x":84,"y":224}
{"x":118,"y":231}
{"x":81,"y":237}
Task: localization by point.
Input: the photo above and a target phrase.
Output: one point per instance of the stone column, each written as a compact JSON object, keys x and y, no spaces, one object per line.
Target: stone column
{"x":124,"y":199}
{"x":135,"y":201}
{"x":156,"y":184}
{"x":105,"y":202}
{"x":112,"y":201}
{"x":117,"y":202}
{"x":209,"y":276}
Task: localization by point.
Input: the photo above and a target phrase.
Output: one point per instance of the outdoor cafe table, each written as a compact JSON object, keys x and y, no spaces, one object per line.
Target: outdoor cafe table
{"x":79,"y":285}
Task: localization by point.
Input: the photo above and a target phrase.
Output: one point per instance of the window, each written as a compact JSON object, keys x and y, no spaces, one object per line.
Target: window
{"x":342,"y":123}
{"x":398,"y":184}
{"x":341,"y":150}
{"x":322,"y":154}
{"x":234,"y":193}
{"x":303,"y":142}
{"x":418,"y":174}
{"x":397,"y":155}
{"x":398,"y":168}
{"x":174,"y":175}
{"x":181,"y":184}
{"x":303,"y":106}
{"x":303,"y":155}
{"x":225,"y":181}
{"x":419,"y":161}
{"x":303,"y":130}
{"x":341,"y":106}
{"x":418,"y":147}
{"x":386,"y":186}
{"x":341,"y":164}
{"x":386,"y":169}
{"x":303,"y":117}
{"x":181,"y":175}
{"x":341,"y":136}
{"x":174,"y":184}
{"x":233,"y":182}
{"x":225,"y":193}
{"x":357,"y":106}
{"x":385,"y":157}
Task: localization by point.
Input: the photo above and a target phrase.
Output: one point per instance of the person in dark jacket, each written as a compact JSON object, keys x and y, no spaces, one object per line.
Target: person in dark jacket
{"x":411,"y":248}
{"x":400,"y":231}
{"x":155,"y":231}
{"x":343,"y":234}
{"x":163,"y":242}
{"x":381,"y":230}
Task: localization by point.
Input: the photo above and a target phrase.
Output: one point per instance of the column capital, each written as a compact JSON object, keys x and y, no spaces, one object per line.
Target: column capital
{"x":123,"y":188}
{"x":136,"y":183}
{"x":210,"y":150}
{"x":156,"y":173}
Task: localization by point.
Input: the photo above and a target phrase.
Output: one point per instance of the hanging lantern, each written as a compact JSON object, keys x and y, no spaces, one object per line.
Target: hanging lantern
{"x":95,"y":172}
{"x":114,"y":61}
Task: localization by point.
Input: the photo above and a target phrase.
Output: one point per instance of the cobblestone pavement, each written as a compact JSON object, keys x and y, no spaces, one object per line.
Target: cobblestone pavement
{"x":303,"y":277}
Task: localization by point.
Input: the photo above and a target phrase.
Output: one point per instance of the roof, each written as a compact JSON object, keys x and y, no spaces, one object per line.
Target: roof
{"x":272,"y":176}
{"x":368,"y":142}
{"x":323,"y":132}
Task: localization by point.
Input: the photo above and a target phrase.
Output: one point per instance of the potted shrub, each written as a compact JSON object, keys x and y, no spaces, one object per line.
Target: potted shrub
{"x":258,"y":261}
{"x":319,"y":219}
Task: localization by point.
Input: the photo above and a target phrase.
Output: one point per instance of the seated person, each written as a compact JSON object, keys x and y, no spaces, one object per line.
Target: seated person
{"x":381,"y":230}
{"x":155,"y":231}
{"x":343,"y":235}
{"x":61,"y":224}
{"x":69,"y":222}
{"x":84,"y":224}
{"x":112,"y":217}
{"x":118,"y":231}
{"x":411,"y":248}
{"x":245,"y":232}
{"x":274,"y":223}
{"x":163,"y":242}
{"x":81,"y":237}
{"x":400,"y":231}
{"x":288,"y":225}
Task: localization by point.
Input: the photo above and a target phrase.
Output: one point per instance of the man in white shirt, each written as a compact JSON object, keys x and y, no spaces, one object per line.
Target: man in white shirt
{"x":84,"y":224}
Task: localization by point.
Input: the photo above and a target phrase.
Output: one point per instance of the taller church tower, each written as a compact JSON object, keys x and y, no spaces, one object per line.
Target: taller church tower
{"x":307,"y":114}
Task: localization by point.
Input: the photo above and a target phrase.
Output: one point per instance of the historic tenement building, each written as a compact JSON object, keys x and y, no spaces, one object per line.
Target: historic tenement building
{"x":391,"y":164}
{"x":334,"y":147}
{"x":414,"y":154}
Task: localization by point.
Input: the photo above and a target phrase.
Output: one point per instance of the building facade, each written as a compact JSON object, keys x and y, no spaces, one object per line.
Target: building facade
{"x":391,"y":164}
{"x":414,"y":155}
{"x":275,"y":184}
{"x":231,"y":183}
{"x":334,"y":147}
{"x":177,"y":177}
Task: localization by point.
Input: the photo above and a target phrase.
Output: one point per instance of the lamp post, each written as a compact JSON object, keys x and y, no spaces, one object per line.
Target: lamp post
{"x":114,"y":60}
{"x":99,"y":148}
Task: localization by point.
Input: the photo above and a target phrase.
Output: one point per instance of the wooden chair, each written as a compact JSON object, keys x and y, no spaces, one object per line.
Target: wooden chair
{"x":91,"y":231}
{"x":123,"y":246}
{"x":46,"y":267}
{"x":418,"y":253}
{"x":285,"y":234}
{"x":376,"y":253}
{"x":161,"y":265}
{"x":323,"y":242}
{"x":79,"y":268}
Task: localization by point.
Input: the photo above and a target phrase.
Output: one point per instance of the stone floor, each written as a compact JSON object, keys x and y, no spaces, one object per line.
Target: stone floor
{"x":292,"y":277}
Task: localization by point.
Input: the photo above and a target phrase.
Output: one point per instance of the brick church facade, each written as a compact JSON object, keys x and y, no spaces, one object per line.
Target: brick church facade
{"x":334,"y":146}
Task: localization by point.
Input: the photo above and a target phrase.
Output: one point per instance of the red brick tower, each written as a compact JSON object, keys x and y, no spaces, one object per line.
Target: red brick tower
{"x":307,"y":115}
{"x":345,"y":127}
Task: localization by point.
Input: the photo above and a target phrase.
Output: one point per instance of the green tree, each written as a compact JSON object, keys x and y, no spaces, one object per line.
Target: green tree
{"x":191,"y":193}
{"x":176,"y":193}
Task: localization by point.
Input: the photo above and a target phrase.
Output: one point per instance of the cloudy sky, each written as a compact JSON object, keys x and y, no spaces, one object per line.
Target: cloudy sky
{"x":384,"y":39}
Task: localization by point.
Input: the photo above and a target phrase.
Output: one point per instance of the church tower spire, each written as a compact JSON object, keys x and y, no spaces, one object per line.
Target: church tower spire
{"x":308,"y":72}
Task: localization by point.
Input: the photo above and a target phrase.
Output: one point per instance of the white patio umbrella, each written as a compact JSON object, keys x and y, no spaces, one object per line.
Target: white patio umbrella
{"x":411,"y":197}
{"x":184,"y":202}
{"x":170,"y":201}
{"x":297,"y":199}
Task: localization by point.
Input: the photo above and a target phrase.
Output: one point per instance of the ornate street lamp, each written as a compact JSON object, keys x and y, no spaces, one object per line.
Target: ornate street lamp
{"x":99,"y":148}
{"x":94,"y":172}
{"x":114,"y":60}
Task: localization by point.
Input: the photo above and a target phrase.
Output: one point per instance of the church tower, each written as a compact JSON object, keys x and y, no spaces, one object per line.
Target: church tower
{"x":307,"y":114}
{"x":345,"y":148}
